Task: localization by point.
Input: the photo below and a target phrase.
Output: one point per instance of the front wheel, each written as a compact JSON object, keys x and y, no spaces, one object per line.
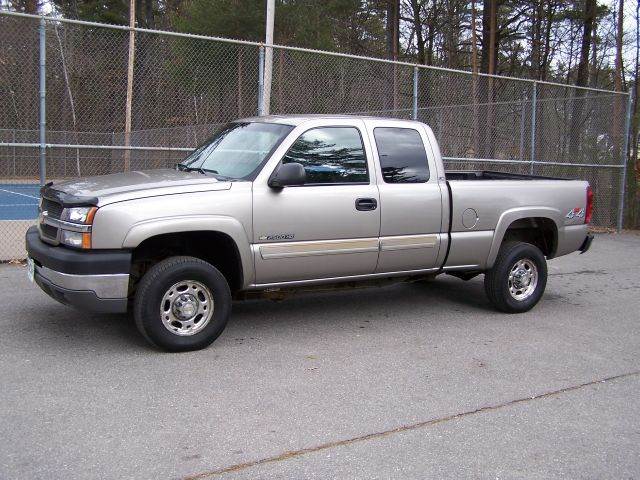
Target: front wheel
{"x":182,"y":303}
{"x":518,"y":278}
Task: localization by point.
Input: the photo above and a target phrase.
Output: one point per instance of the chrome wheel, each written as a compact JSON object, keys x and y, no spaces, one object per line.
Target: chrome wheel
{"x":186,"y":307}
{"x":523,"y":279}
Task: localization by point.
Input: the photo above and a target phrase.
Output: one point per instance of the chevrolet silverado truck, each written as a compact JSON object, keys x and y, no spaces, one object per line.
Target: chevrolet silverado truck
{"x":278,"y":203}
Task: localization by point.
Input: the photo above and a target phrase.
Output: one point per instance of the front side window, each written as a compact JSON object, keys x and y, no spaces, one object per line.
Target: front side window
{"x":403,"y":158}
{"x":330,"y":155}
{"x":237,"y":149}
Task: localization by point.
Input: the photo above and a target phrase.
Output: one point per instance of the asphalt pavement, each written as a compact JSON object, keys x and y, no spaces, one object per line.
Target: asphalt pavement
{"x":419,"y":380}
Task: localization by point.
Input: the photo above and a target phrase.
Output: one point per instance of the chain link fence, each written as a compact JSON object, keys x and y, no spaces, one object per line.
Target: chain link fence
{"x":183,"y":85}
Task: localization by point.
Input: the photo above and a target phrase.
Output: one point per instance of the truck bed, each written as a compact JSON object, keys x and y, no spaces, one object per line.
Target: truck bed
{"x":491,"y":175}
{"x":483,"y":204}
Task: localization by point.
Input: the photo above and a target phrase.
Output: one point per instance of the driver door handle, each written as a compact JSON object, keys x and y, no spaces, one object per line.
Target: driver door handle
{"x":366,"y":204}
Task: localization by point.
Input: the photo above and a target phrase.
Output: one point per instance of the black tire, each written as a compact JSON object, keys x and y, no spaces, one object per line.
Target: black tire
{"x":157,"y":282}
{"x":496,"y":280}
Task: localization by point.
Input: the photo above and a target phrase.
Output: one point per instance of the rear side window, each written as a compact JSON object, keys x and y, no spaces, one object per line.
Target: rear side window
{"x":330,"y":155}
{"x":403,"y":158}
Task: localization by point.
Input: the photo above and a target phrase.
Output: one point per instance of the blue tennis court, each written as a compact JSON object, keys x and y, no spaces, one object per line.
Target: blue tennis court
{"x":19,"y":201}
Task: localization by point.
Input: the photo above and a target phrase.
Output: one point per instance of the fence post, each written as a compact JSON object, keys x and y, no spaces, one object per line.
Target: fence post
{"x":129,"y":99}
{"x":534,"y":102}
{"x":261,"y":81}
{"x":522,"y":128}
{"x":415,"y":93}
{"x":43,"y":92}
{"x":625,"y":150}
{"x":13,"y":137}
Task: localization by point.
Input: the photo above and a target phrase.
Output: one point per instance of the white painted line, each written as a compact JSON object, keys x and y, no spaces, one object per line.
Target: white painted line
{"x":21,"y":194}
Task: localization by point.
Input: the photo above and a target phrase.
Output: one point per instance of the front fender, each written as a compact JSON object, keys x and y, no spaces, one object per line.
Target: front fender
{"x":143,"y":230}
{"x":511,"y":215}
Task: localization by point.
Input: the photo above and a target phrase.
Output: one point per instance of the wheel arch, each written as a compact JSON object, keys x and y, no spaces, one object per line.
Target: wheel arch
{"x":541,"y":226}
{"x":221,"y":241}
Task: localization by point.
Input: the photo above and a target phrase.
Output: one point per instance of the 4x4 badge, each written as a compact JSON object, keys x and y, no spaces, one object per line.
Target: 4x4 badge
{"x":575,"y":213}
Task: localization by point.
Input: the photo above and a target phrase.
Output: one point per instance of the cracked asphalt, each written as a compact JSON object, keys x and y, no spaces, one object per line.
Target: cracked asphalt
{"x":406,"y":381}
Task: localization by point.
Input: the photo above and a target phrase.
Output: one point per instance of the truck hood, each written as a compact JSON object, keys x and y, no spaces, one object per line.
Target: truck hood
{"x":117,"y":187}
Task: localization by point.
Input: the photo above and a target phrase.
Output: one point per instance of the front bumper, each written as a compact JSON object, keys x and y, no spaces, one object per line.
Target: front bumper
{"x":94,"y":280}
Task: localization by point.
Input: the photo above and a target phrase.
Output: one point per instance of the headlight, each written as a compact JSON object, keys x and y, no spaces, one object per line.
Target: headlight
{"x":78,"y":215}
{"x":80,"y":236}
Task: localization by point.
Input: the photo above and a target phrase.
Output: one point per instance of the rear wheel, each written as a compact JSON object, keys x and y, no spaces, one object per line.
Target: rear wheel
{"x":182,"y":303}
{"x":518,"y":278}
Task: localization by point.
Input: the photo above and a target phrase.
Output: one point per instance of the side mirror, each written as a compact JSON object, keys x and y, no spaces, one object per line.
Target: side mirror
{"x":288,"y":174}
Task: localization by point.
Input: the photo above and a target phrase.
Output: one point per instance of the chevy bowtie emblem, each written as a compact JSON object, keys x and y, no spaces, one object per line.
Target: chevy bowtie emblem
{"x":575,"y":213}
{"x":45,"y":213}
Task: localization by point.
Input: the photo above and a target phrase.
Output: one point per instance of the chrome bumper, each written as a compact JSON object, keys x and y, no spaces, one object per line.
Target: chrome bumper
{"x":104,"y":286}
{"x":94,"y":280}
{"x":95,"y":293}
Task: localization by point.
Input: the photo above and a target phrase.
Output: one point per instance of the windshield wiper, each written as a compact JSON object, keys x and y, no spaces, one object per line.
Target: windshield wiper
{"x":187,"y":168}
{"x":204,"y":171}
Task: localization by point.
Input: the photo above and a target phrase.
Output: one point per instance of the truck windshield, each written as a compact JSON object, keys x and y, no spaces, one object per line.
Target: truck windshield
{"x":237,"y":149}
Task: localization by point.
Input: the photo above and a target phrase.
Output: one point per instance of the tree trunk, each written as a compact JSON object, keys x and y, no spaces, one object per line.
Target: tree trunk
{"x":486,"y":21}
{"x":430,"y":37}
{"x":148,"y":13}
{"x":593,"y":75}
{"x":587,"y":28}
{"x":474,"y":70}
{"x":240,"y":80}
{"x":620,"y":111}
{"x":551,"y":10}
{"x":619,"y":35}
{"x":393,"y":29}
{"x":489,"y":147}
{"x":72,"y":104}
{"x":582,"y":75}
{"x":451,"y":34}
{"x":493,"y":37}
{"x":73,"y":9}
{"x":536,"y":39}
{"x":31,"y":6}
{"x":393,"y":44}
{"x":619,"y":108}
{"x":417,"y":25}
{"x":633,"y":173}
{"x":570,"y":61}
{"x":474,"y":39}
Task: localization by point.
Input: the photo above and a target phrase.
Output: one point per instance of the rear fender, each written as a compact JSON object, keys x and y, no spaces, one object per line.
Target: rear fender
{"x":510,"y":216}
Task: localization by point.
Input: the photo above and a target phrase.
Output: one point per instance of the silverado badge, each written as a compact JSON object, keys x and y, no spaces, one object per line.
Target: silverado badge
{"x":278,"y":236}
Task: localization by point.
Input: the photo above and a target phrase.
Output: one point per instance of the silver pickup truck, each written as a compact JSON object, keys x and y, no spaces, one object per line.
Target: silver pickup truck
{"x":278,"y":203}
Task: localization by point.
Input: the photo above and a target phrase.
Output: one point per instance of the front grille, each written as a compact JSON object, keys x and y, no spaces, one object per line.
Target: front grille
{"x":48,"y":231}
{"x":53,"y":208}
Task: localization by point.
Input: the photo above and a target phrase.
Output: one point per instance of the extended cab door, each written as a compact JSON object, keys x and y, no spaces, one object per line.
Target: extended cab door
{"x":410,"y":197}
{"x":329,"y":226}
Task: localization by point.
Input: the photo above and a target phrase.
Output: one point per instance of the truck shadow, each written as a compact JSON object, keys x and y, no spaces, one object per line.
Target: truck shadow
{"x":62,"y":327}
{"x":420,"y":299}
{"x":66,"y":328}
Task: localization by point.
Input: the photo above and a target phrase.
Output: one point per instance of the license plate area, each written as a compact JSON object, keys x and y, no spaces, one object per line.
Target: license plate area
{"x":31,"y":269}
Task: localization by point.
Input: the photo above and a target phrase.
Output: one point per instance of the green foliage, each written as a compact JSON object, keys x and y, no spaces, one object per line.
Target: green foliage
{"x":223,"y":18}
{"x":344,"y":25}
{"x":115,"y":12}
